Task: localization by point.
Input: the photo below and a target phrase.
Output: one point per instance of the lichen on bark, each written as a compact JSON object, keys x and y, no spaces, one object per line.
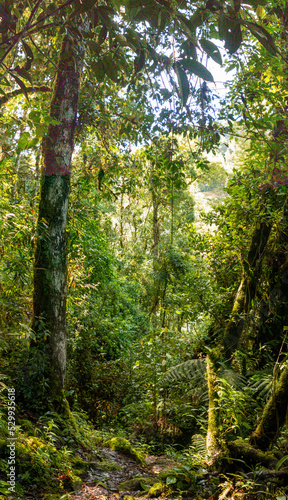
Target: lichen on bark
{"x":50,"y":264}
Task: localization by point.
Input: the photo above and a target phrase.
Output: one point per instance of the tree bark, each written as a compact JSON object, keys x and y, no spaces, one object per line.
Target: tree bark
{"x":212,"y":437}
{"x":247,"y":288}
{"x":50,"y":266}
{"x":241,"y":450}
{"x":274,"y":415}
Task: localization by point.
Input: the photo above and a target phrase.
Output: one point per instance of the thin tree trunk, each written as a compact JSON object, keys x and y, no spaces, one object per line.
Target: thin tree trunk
{"x":212,"y":437}
{"x":50,"y":268}
{"x":121,"y":217}
{"x":155,"y":205}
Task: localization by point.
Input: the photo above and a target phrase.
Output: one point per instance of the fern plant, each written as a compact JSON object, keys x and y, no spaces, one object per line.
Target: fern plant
{"x":231,"y":386}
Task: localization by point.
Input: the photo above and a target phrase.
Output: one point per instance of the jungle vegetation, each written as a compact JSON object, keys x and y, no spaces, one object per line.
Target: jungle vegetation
{"x":125,"y":309}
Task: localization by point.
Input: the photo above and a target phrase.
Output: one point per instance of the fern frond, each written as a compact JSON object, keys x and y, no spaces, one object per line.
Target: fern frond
{"x":193,"y":370}
{"x":234,"y":379}
{"x":198,"y":445}
{"x":262,"y":386}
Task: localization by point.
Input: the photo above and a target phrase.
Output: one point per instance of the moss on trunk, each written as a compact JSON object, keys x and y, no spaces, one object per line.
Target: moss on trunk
{"x":247,"y":288}
{"x":274,"y":414}
{"x":212,"y":438}
{"x":50,"y":265}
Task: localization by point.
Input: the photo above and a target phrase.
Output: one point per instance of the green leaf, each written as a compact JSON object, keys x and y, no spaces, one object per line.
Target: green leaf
{"x":94,"y":47}
{"x":133,"y":38}
{"x":111,"y":69}
{"x":211,"y":49}
{"x":84,"y":7}
{"x":21,"y":84}
{"x":102,"y":35}
{"x":28,"y":50}
{"x":139,"y":61}
{"x":281,"y":461}
{"x":29,"y":55}
{"x":122,"y":63}
{"x":23,"y":141}
{"x":33,"y":143}
{"x":40,"y":130}
{"x":183,"y":83}
{"x":35,"y":116}
{"x":188,"y":26}
{"x":22,"y":72}
{"x":230,"y":31}
{"x":98,"y":70}
{"x":171,"y":480}
{"x":198,"y":69}
{"x":155,"y":56}
{"x":263,"y":37}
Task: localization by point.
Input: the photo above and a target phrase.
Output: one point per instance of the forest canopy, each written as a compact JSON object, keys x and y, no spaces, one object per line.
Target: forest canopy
{"x":143,"y":244}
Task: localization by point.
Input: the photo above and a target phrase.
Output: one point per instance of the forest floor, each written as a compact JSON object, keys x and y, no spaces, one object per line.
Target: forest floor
{"x":126,"y":480}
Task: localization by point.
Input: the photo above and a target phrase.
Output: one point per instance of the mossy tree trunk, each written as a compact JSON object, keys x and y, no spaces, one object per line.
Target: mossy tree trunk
{"x":275,"y":411}
{"x":274,"y":414}
{"x":212,"y":438}
{"x":50,"y":266}
{"x":248,"y":286}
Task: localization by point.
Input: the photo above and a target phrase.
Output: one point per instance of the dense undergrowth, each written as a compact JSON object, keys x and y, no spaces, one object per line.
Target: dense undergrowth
{"x":55,"y":455}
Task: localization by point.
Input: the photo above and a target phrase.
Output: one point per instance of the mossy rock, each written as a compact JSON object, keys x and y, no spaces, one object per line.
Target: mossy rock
{"x":107,"y":466}
{"x":79,"y":466}
{"x":137,"y":483}
{"x":156,"y":490}
{"x":76,"y":481}
{"x":37,"y":460}
{"x":123,"y":446}
{"x":27,"y":426}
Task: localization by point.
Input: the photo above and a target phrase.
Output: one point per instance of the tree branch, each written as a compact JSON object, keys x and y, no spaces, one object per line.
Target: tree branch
{"x":14,"y":93}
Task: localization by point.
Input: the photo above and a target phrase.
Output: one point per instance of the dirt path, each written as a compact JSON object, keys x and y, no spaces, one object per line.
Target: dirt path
{"x":104,"y":484}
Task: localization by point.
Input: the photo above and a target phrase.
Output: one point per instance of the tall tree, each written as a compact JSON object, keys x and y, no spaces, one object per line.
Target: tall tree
{"x":50,"y":269}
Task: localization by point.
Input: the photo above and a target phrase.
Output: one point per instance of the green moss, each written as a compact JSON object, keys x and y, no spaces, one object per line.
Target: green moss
{"x":123,"y":446}
{"x":107,"y":466}
{"x":137,"y":483}
{"x":242,"y":450}
{"x":79,"y":466}
{"x":156,"y":490}
{"x":76,"y":481}
{"x":27,"y":426}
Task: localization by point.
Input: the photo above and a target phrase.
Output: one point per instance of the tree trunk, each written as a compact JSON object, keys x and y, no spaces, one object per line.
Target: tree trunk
{"x":247,"y":288}
{"x":212,"y":438}
{"x":156,"y":236}
{"x":274,"y":414}
{"x":50,"y":267}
